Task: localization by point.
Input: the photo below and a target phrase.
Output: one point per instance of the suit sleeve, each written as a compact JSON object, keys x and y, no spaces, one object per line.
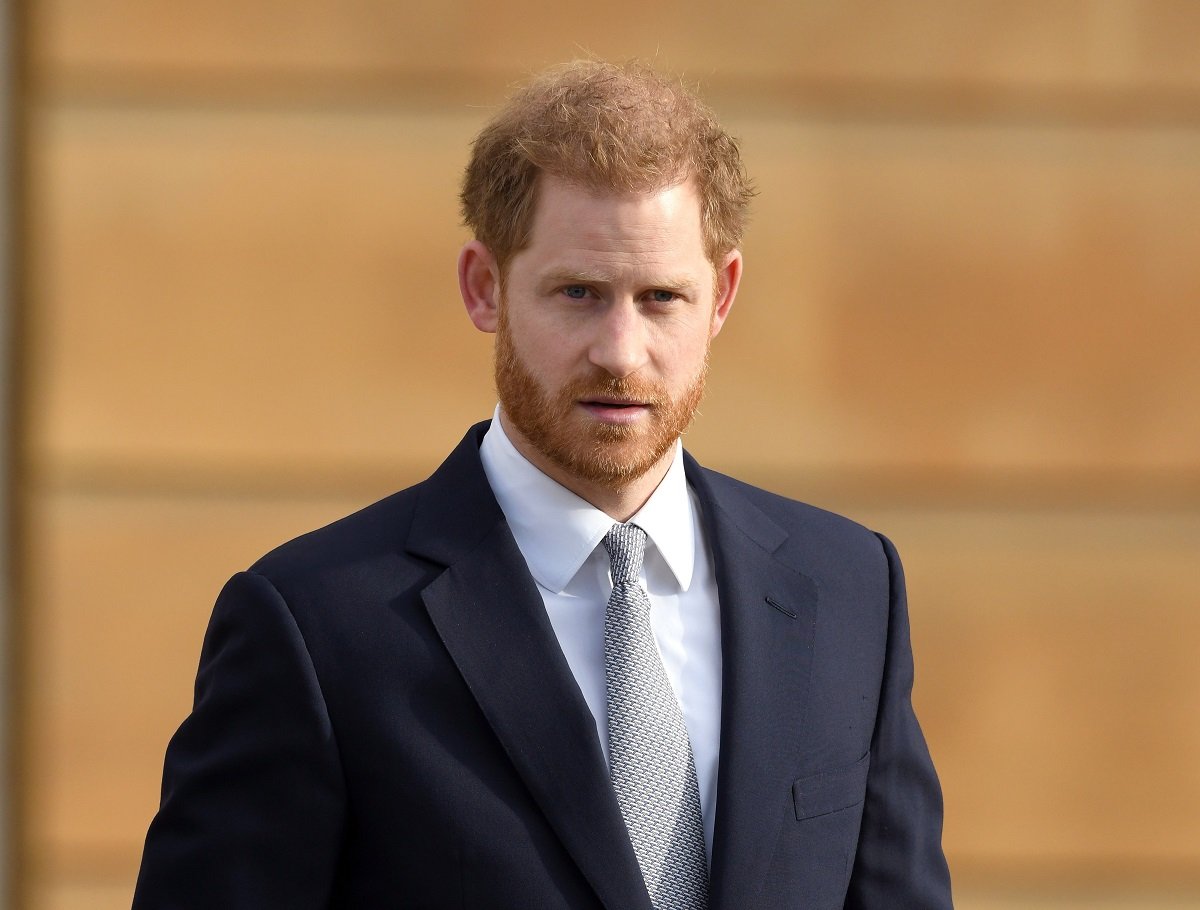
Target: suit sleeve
{"x":899,"y":864}
{"x":252,"y":799}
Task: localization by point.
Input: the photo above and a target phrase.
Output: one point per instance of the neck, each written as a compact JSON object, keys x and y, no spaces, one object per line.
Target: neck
{"x":618,"y":502}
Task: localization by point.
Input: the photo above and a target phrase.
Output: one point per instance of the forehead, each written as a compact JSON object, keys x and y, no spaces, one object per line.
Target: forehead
{"x":573,"y":220}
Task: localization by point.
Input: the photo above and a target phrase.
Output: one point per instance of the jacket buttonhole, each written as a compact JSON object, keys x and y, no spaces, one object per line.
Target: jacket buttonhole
{"x":780,"y":607}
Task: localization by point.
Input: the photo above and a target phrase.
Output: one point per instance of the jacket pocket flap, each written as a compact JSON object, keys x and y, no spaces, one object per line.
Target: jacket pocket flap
{"x":820,"y":794}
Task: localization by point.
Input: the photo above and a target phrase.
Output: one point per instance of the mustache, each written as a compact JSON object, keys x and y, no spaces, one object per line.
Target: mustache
{"x":628,"y":388}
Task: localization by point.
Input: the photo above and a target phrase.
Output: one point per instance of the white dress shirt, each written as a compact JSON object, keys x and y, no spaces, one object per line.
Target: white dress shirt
{"x":560,"y":535}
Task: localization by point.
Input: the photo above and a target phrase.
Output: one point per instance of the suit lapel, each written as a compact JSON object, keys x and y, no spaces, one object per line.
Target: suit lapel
{"x":768,"y":616}
{"x":488,"y":612}
{"x":490,"y":617}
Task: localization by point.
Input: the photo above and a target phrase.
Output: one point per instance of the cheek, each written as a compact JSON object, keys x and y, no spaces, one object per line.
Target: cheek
{"x":548,"y":354}
{"x":682,"y":355}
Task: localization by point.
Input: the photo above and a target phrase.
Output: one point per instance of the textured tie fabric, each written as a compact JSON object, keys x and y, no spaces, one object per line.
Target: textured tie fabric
{"x":650,"y":756}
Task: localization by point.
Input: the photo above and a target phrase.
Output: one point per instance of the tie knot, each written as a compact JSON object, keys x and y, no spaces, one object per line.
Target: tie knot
{"x":626,"y":544}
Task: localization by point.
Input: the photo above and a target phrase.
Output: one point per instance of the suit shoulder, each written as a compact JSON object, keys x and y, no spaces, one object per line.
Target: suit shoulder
{"x":362,"y":536}
{"x":799,"y":519}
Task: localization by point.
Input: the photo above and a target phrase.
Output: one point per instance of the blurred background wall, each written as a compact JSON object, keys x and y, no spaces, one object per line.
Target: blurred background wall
{"x":8,"y":180}
{"x":968,"y":319}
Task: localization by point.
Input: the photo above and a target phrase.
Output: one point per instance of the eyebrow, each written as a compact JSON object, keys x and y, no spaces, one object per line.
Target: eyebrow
{"x":587,"y":276}
{"x":580,"y":276}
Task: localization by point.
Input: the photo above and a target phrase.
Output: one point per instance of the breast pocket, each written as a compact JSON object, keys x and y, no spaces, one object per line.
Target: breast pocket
{"x":829,"y":791}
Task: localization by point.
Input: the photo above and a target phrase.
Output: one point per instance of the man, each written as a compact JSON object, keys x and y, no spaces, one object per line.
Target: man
{"x":572,"y":669}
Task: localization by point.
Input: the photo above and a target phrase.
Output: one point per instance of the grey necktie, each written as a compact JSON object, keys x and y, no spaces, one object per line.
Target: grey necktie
{"x":650,"y":756}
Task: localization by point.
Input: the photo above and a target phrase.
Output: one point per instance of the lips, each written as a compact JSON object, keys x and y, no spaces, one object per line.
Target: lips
{"x":620,"y":411}
{"x":613,"y":403}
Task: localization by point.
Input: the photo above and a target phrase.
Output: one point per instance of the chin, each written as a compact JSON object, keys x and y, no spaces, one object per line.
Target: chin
{"x":616,"y":458}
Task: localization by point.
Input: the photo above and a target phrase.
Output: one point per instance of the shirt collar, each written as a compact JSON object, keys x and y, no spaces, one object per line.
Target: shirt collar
{"x":556,"y":530}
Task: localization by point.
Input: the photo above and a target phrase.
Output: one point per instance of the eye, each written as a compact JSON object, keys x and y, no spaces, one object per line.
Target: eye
{"x":662,"y":296}
{"x":575,"y":291}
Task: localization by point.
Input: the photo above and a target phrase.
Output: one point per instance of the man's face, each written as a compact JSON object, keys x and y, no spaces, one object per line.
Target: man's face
{"x":604,"y":328}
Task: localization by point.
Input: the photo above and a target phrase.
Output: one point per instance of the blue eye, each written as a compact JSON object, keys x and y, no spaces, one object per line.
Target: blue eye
{"x":575,"y":291}
{"x":662,"y":296}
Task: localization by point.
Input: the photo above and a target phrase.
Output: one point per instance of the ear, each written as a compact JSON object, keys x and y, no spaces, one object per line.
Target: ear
{"x":479,"y":284}
{"x":729,"y":276}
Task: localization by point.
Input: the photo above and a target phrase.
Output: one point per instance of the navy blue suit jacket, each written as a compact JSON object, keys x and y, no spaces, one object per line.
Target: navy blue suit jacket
{"x":383,"y":718}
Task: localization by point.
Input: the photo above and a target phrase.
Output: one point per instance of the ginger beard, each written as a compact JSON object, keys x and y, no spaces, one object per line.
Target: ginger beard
{"x":612,"y":455}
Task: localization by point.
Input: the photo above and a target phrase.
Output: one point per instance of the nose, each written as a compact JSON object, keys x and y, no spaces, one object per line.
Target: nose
{"x":620,"y":345}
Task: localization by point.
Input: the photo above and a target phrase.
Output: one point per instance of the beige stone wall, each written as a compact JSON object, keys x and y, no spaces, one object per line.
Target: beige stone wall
{"x":968,"y":319}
